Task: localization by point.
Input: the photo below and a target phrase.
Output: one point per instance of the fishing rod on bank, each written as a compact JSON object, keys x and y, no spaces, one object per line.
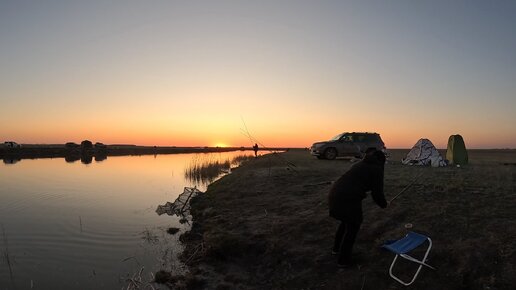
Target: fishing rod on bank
{"x":399,"y":193}
{"x":248,"y":135}
{"x":406,"y":187}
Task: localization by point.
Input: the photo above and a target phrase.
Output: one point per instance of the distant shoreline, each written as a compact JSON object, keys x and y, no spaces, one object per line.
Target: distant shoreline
{"x":35,"y":151}
{"x":61,"y":151}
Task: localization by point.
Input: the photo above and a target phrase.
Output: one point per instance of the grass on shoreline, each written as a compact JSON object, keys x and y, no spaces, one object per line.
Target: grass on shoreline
{"x":204,"y":169}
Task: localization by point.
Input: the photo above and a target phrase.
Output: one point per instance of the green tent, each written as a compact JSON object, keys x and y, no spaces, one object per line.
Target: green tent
{"x":456,"y":152}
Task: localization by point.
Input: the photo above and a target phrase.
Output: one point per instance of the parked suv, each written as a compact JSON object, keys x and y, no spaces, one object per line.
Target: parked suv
{"x":347,"y":144}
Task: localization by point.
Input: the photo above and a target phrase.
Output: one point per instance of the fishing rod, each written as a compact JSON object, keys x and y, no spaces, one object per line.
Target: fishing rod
{"x":246,"y":133}
{"x":406,"y":187}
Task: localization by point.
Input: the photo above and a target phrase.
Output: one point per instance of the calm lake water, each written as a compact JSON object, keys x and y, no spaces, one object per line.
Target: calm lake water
{"x":91,"y":226}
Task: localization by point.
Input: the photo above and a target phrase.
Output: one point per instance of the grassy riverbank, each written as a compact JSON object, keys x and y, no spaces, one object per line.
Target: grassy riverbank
{"x":266,"y":226}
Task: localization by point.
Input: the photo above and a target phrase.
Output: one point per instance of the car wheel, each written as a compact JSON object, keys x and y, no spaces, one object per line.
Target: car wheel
{"x":330,"y":153}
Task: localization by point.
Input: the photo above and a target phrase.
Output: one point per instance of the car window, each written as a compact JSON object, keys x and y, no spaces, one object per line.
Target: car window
{"x":360,"y":138}
{"x":336,"y":137}
{"x":368,"y":138}
{"x":348,"y":138}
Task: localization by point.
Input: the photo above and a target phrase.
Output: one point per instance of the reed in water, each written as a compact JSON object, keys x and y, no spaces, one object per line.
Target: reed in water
{"x":204,"y":169}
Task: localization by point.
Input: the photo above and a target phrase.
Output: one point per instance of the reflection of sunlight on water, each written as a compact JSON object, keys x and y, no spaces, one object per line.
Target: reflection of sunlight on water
{"x":204,"y":169}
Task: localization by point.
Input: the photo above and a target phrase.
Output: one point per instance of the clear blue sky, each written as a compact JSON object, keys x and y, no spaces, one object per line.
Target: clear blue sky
{"x":186,"y":72}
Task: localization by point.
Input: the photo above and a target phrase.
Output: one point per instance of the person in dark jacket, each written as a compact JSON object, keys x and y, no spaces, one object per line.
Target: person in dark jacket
{"x":345,"y":201}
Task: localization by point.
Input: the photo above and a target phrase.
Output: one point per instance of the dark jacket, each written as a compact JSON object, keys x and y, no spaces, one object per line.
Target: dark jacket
{"x":346,"y":194}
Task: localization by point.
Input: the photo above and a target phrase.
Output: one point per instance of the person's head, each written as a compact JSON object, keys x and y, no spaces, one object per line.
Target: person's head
{"x":375,"y":156}
{"x":380,"y":156}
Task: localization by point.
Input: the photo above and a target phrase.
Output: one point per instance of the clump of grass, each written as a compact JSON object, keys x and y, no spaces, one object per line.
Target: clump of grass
{"x":206,"y":170}
{"x":136,"y":281}
{"x":240,"y":159}
{"x":6,"y":252}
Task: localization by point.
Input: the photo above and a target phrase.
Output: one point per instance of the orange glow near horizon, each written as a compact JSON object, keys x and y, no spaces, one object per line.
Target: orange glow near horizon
{"x":392,"y":139}
{"x":284,"y":126}
{"x":274,"y":116}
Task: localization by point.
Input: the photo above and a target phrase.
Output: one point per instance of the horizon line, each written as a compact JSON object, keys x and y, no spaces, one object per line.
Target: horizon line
{"x":250,"y":146}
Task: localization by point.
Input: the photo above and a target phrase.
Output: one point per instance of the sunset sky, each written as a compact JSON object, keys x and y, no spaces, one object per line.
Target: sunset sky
{"x":190,"y":73}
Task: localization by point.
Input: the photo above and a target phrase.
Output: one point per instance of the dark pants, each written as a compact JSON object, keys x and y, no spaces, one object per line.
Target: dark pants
{"x":344,"y":240}
{"x":350,"y":216}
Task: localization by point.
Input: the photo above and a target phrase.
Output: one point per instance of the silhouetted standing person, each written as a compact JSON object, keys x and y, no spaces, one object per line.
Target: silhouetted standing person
{"x":255,"y":148}
{"x":345,"y":201}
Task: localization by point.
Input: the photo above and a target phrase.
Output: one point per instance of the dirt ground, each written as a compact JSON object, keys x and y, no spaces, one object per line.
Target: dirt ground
{"x":266,"y":226}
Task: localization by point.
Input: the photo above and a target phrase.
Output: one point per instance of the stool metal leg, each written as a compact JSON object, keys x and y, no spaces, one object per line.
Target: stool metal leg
{"x":421,"y":264}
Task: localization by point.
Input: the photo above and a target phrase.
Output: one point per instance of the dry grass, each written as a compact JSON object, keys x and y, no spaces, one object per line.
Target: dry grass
{"x":267,"y":227}
{"x":204,"y":169}
{"x":6,"y":253}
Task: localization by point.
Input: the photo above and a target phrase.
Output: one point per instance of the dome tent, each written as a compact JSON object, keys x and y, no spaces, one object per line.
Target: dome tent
{"x":456,"y":152}
{"x":424,"y":153}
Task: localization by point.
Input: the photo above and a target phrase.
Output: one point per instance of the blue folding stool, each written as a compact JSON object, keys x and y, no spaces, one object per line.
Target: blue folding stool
{"x":403,"y":246}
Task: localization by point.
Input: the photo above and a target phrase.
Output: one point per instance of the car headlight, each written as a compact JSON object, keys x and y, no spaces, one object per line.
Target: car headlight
{"x":317,"y":146}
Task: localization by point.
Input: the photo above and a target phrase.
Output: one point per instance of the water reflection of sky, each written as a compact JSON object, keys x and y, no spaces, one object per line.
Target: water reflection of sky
{"x":90,"y":224}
